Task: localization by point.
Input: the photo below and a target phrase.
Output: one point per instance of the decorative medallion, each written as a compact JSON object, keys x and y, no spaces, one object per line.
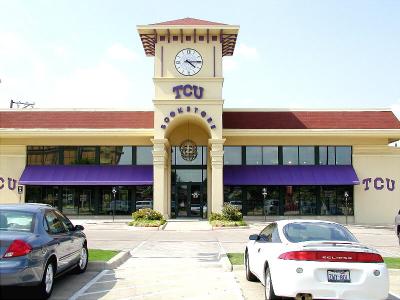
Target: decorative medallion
{"x":188,"y":150}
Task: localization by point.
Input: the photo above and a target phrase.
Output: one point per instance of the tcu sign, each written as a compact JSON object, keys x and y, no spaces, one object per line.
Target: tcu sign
{"x":11,"y":183}
{"x":188,"y":90}
{"x":379,"y":184}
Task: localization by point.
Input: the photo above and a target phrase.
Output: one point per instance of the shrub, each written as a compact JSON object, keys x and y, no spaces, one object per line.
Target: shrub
{"x":147,"y":214}
{"x":231,"y":213}
{"x":215,"y":217}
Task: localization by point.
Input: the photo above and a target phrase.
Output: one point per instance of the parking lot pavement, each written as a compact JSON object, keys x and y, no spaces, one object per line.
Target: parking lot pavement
{"x":166,"y":269}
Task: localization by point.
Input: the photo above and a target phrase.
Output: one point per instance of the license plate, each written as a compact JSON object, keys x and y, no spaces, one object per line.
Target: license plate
{"x":339,"y":276}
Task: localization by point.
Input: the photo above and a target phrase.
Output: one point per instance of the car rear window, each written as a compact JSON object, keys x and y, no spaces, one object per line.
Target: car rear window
{"x":319,"y":231}
{"x":11,"y":220}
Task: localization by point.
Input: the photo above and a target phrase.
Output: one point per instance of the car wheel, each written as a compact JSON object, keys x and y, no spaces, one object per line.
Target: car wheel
{"x":268,"y":287}
{"x":249,"y":275}
{"x":83,"y":261}
{"x":45,"y":288}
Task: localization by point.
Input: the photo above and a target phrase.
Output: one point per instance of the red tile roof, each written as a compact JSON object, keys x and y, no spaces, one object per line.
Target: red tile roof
{"x":189,"y":22}
{"x":311,"y":120}
{"x":231,"y":119}
{"x":76,"y":119}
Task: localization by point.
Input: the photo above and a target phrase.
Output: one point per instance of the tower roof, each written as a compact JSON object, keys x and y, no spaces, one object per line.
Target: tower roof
{"x":177,"y":29}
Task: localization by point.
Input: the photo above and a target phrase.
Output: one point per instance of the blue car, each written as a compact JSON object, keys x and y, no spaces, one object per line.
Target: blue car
{"x":38,"y":244}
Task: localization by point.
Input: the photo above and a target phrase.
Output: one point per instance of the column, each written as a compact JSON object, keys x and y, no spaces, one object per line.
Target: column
{"x":217,"y":176}
{"x":160,"y":176}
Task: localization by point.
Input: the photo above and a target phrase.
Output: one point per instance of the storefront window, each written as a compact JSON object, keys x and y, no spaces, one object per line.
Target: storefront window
{"x":87,"y":155}
{"x":232,"y":155}
{"x":144,"y":155}
{"x":272,"y":201}
{"x":327,"y":155}
{"x":308,"y":200}
{"x":51,"y":155}
{"x":331,"y":155}
{"x":33,"y":194}
{"x":306,"y":156}
{"x":290,"y":155}
{"x":343,"y":155}
{"x":201,"y":158}
{"x":108,"y":155}
{"x":253,"y":155}
{"x":342,"y":206}
{"x":233,"y":196}
{"x":254,"y":200}
{"x":124,"y":155}
{"x":270,"y":155}
{"x":144,"y":197}
{"x":34,"y":155}
{"x":68,"y":201}
{"x":328,"y":200}
{"x":190,"y":175}
{"x":292,"y":202}
{"x":70,"y":155}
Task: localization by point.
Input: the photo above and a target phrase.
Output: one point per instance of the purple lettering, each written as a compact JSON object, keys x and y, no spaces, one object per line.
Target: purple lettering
{"x":172,"y":114}
{"x":203,"y":114}
{"x":163,"y":126}
{"x":13,"y":185}
{"x":378,"y":186}
{"x":2,"y":183}
{"x":366,"y":181}
{"x":187,"y":93}
{"x":188,"y":108}
{"x":180,"y":110}
{"x":392,"y":187}
{"x":176,"y":90}
{"x":166,"y":120}
{"x":213,"y":126}
{"x":196,"y":94}
{"x":209,"y":120}
{"x":196,"y":110}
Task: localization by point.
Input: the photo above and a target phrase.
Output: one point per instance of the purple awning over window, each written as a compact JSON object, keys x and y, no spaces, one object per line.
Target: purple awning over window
{"x":290,"y":175}
{"x":87,"y":175}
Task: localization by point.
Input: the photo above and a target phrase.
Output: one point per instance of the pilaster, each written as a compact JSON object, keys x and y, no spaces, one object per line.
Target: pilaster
{"x":160,"y":175}
{"x":217,"y":168}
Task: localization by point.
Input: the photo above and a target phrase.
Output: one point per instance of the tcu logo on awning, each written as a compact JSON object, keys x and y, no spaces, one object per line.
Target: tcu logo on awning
{"x":11,"y":183}
{"x":379,"y":184}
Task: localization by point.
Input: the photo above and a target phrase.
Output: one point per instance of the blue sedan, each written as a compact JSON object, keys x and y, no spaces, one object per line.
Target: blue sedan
{"x":37,"y":244}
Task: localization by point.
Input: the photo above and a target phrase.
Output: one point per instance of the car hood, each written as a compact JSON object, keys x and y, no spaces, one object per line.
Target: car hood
{"x":7,"y":237}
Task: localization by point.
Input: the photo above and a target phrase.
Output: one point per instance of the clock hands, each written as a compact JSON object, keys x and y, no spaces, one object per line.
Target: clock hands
{"x":190,"y":63}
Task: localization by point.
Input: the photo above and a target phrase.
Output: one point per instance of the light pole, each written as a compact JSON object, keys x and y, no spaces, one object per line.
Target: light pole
{"x":114,"y":191}
{"x":264,"y":193}
{"x":346,"y":202}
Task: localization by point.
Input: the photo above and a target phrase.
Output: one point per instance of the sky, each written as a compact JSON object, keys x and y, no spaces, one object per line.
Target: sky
{"x":292,"y":54}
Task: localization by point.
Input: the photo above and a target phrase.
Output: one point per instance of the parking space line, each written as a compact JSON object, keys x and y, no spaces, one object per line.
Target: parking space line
{"x":87,"y":285}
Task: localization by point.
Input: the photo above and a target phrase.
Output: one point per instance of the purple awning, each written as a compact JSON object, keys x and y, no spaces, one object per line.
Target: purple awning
{"x":290,"y":175}
{"x":87,"y":175}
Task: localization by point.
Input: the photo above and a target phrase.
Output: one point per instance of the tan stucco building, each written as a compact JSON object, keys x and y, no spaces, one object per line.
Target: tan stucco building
{"x":190,"y":155}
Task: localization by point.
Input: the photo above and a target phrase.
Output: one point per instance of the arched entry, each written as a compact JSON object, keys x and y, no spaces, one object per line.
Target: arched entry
{"x":188,"y":168}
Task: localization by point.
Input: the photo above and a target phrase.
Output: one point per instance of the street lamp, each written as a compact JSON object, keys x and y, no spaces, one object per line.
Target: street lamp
{"x":346,"y":201}
{"x":114,"y":191}
{"x":264,"y":193}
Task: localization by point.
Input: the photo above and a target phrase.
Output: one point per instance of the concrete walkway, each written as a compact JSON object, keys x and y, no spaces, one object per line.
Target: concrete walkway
{"x":187,"y":225}
{"x":166,"y":269}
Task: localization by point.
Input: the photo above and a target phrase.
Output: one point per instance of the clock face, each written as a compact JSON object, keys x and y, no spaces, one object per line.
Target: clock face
{"x":188,"y":62}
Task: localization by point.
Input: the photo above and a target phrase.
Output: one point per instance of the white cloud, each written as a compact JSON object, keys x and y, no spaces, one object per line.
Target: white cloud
{"x":120,"y":52}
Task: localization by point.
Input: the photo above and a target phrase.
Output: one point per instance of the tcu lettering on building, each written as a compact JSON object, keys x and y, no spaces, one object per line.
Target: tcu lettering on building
{"x":188,"y":90}
{"x":379,"y":184}
{"x":10,"y":182}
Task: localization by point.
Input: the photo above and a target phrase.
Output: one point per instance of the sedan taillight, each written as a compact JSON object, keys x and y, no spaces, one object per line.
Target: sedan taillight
{"x":333,"y":256}
{"x":17,"y":248}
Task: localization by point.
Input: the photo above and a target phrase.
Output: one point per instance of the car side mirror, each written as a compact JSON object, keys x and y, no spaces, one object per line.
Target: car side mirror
{"x":254,"y":237}
{"x":79,"y":228}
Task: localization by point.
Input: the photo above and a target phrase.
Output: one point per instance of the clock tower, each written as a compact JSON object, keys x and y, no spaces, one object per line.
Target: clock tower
{"x":188,"y":108}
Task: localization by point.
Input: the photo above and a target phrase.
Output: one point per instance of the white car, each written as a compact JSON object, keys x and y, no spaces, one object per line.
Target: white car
{"x":313,"y":259}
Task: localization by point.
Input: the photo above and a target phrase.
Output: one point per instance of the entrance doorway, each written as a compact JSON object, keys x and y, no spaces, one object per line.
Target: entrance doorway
{"x":189,"y":200}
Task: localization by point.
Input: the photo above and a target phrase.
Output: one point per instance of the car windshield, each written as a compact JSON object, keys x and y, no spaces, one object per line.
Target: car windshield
{"x":11,"y":220}
{"x":318,"y":231}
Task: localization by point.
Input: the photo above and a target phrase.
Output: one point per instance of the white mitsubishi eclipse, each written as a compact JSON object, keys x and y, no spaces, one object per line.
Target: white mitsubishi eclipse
{"x":312,"y":259}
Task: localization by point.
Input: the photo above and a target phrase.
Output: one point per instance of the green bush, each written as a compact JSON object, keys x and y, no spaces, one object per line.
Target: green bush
{"x":215,"y":217}
{"x":231,"y":213}
{"x":147,"y":214}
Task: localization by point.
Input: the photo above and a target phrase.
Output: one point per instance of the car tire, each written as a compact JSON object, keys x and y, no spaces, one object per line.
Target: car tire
{"x":249,"y":275}
{"x":82,"y":264}
{"x":45,"y":287}
{"x":268,"y":286}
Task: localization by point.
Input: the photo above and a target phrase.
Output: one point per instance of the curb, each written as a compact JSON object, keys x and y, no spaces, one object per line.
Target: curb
{"x":161,"y":227}
{"x":113,"y":263}
{"x":223,"y":258}
{"x":229,"y":227}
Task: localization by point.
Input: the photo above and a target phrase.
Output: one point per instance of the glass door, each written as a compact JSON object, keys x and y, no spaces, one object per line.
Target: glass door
{"x":85,"y":202}
{"x":195,"y":200}
{"x":188,"y":201}
{"x":182,"y":200}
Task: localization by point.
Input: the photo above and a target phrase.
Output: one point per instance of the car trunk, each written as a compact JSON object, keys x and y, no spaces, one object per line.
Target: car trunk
{"x":7,"y":237}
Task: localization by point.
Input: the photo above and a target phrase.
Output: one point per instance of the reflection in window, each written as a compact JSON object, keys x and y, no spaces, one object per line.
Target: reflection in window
{"x":34,"y":155}
{"x":50,"y":155}
{"x":144,"y":197}
{"x":254,"y":200}
{"x":70,"y":155}
{"x":87,"y":155}
{"x":233,"y":196}
{"x":270,"y":156}
{"x":290,"y":155}
{"x":201,"y":158}
{"x":306,"y":156}
{"x":232,"y":155}
{"x":342,"y":206}
{"x":190,"y":175}
{"x":331,"y":155}
{"x":144,"y":155}
{"x":254,"y":155}
{"x":291,"y":205}
{"x":328,"y":200}
{"x":343,"y":155}
{"x":308,"y":200}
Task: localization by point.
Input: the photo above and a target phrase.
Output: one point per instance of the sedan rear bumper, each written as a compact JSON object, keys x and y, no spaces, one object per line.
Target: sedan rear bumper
{"x":288,"y":281}
{"x":20,"y":276}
